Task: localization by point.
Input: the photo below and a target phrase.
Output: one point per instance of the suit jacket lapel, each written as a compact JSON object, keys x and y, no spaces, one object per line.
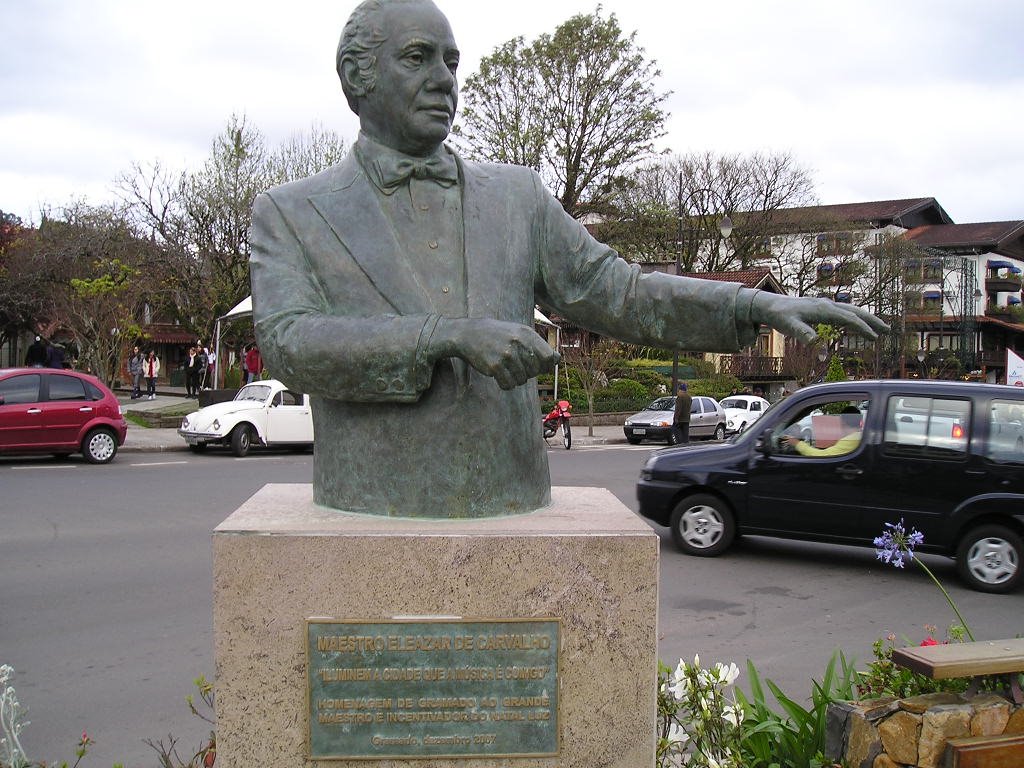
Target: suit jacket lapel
{"x":485,"y":244}
{"x":352,"y":211}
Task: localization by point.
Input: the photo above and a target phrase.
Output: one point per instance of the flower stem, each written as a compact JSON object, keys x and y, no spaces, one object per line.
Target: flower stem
{"x":949,"y":600}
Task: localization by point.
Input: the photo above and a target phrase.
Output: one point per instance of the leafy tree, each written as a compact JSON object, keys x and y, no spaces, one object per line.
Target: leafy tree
{"x":104,"y":274}
{"x":23,"y":280}
{"x":579,"y":106}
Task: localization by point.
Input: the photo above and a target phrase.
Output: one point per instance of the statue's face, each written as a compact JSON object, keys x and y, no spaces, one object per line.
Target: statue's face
{"x":412,"y":105}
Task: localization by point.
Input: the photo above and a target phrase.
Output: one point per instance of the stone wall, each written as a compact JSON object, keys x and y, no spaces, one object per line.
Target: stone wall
{"x":899,"y":733}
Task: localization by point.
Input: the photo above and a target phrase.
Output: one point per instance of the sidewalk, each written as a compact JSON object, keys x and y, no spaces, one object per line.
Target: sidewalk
{"x":141,"y":439}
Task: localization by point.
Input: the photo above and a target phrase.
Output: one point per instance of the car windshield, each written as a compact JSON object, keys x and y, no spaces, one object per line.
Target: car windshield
{"x":257,"y":392}
{"x":662,"y":404}
{"x":734,"y":402}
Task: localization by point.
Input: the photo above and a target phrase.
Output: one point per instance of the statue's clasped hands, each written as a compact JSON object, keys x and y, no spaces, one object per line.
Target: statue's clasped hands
{"x":510,"y":353}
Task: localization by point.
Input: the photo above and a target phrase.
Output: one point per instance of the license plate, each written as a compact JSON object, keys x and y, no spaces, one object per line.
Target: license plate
{"x":639,"y":431}
{"x":189,"y":440}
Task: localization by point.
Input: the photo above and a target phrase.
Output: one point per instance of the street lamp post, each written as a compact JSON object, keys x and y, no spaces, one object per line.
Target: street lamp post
{"x":724,"y":226}
{"x":920,"y":361}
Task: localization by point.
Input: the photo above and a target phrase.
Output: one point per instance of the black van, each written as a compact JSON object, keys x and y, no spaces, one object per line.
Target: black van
{"x":836,"y":462}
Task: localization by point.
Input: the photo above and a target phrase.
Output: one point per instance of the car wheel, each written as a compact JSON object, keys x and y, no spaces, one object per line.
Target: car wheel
{"x":633,"y":440}
{"x":241,"y":440}
{"x":703,"y":525}
{"x":989,"y":559}
{"x":566,"y":435}
{"x":198,"y":448}
{"x":720,"y":432}
{"x":99,"y":446}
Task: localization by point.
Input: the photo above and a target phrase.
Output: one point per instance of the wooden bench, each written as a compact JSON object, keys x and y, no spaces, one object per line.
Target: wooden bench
{"x":974,"y":660}
{"x":986,"y":657}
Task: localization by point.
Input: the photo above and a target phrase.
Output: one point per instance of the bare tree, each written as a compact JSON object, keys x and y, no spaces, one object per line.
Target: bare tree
{"x":201,"y":218}
{"x":591,"y":363}
{"x":651,"y":203}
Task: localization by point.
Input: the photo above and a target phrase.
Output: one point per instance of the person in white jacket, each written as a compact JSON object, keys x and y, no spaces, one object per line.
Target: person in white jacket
{"x":151,"y":369}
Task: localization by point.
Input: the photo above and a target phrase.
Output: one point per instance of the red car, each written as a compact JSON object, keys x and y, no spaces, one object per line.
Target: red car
{"x":45,"y":410}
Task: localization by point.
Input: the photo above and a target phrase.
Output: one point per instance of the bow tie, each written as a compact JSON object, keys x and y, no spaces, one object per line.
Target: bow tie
{"x":394,"y":172}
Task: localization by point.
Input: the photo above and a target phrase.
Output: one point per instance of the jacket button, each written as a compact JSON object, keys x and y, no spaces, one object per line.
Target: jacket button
{"x":382,"y":385}
{"x":398,"y":385}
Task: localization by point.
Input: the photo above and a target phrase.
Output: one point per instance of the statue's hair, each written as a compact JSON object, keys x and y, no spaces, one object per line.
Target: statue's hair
{"x":360,"y":38}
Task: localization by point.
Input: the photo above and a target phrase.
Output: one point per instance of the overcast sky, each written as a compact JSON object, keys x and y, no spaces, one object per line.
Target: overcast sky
{"x":881,"y":99}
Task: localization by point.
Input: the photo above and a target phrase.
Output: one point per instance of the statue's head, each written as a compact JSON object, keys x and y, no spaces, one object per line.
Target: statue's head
{"x":397,"y":61}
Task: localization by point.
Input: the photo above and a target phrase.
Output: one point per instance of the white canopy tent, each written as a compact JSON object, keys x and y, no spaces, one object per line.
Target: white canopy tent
{"x":244,"y":309}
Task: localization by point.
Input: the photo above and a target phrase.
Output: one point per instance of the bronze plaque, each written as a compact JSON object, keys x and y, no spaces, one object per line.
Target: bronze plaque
{"x":427,"y":688}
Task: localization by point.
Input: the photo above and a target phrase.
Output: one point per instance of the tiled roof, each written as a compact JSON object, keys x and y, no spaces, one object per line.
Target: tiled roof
{"x":761,"y":277}
{"x":987,"y":234}
{"x":906,"y":212}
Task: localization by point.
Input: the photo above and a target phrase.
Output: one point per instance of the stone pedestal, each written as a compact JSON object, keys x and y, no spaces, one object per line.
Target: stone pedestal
{"x":280,"y":559}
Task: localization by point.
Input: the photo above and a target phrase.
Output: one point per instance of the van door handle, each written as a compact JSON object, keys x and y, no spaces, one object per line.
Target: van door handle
{"x":85,"y":409}
{"x":849,"y":471}
{"x":34,"y":410}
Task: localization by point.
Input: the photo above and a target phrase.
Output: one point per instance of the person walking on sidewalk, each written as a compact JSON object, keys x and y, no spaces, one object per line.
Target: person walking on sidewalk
{"x":681,"y":420}
{"x":135,"y":364}
{"x":151,"y":369}
{"x":36,"y":355}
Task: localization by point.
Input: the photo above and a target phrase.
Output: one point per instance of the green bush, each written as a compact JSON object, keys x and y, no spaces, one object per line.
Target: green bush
{"x":717,"y":386}
{"x":624,"y":388}
{"x":233,"y":378}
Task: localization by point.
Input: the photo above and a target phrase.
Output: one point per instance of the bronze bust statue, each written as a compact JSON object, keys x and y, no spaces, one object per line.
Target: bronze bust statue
{"x":397,"y":288}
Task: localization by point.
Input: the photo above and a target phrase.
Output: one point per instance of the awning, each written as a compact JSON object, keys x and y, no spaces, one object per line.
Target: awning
{"x":843,"y":297}
{"x":998,"y":264}
{"x":932,"y":294}
{"x":1013,"y":300}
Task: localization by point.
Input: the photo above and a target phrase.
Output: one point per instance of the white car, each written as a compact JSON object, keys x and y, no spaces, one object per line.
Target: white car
{"x":741,"y":411}
{"x":263,"y":413}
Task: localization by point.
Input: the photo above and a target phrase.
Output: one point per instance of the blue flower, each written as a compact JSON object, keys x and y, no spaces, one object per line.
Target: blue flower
{"x":895,"y":544}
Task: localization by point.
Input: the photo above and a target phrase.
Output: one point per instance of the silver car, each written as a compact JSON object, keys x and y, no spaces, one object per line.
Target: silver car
{"x":707,"y":419}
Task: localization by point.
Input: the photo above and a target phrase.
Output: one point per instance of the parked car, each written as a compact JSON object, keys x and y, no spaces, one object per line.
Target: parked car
{"x":707,"y":419}
{"x":263,"y":413}
{"x":742,"y":410}
{"x":941,"y":456}
{"x":58,"y":411}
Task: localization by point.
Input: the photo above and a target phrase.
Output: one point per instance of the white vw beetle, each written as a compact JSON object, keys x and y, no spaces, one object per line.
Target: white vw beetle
{"x":262,"y":413}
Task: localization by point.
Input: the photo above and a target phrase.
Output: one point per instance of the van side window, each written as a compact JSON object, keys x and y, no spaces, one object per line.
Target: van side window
{"x":927,"y":427}
{"x":1006,"y":432}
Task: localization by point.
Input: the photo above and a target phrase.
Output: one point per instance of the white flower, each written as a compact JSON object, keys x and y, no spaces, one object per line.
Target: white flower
{"x":732,"y":714}
{"x":696,"y":660}
{"x":676,"y":734}
{"x":727,"y":674}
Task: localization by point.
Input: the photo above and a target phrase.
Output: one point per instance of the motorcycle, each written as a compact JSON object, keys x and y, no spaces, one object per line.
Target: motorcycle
{"x":559,"y":417}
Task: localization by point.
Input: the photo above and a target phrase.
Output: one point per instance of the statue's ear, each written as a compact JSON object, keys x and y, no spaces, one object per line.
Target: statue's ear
{"x":351,"y":79}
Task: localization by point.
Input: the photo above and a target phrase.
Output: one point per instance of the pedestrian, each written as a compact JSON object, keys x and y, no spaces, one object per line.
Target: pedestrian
{"x":135,"y":364}
{"x":211,"y":369}
{"x":204,"y":354}
{"x":36,"y":355}
{"x":151,"y":369}
{"x":194,"y":365}
{"x":55,"y":356}
{"x":681,"y":419}
{"x":253,"y":363}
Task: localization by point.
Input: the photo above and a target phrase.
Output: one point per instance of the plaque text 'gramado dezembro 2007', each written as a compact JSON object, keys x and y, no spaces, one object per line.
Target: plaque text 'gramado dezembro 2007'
{"x":432,"y":688}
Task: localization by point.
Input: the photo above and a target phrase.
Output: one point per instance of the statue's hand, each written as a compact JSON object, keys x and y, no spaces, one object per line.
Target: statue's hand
{"x":796,"y":316}
{"x":510,"y":353}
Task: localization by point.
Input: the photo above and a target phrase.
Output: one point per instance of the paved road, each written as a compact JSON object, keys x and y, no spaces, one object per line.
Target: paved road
{"x":105,"y":591}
